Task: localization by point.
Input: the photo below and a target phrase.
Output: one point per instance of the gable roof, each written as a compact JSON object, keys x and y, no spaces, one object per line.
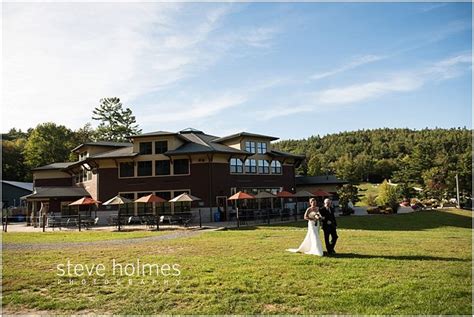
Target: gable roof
{"x":199,"y":142}
{"x":102,"y":143}
{"x":245,"y":134}
{"x":59,"y":191}
{"x":22,"y":185}
{"x":54,"y":166}
{"x":155,"y":133}
{"x":126,"y":151}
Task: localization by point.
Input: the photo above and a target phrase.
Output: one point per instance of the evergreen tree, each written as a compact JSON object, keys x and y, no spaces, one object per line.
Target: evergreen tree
{"x":116,"y":123}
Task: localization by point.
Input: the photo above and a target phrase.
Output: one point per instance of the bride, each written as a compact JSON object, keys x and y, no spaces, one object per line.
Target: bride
{"x":311,"y":243}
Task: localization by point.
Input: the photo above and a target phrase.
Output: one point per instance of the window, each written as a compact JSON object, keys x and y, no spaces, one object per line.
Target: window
{"x":161,"y":147}
{"x":127,"y":209}
{"x":236,"y":166}
{"x":250,"y":166}
{"x":261,"y":147}
{"x":127,"y":169}
{"x":162,"y":167}
{"x":181,"y":166}
{"x":263,"y":167}
{"x":276,"y":167}
{"x":145,"y":148}
{"x":83,"y":155}
{"x":144,"y":168}
{"x":164,"y":208}
{"x":250,"y":146}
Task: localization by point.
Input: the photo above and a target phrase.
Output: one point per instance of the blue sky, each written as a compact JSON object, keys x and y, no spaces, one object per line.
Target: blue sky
{"x":289,"y":70}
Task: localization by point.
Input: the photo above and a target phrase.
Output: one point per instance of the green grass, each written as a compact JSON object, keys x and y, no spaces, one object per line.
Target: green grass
{"x":364,"y":190}
{"x":416,"y":263}
{"x":74,"y":236}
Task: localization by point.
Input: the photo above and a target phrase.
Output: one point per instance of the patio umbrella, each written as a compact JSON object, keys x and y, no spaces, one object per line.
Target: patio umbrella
{"x":118,"y":200}
{"x":301,"y":194}
{"x":86,"y":201}
{"x":321,"y":193}
{"x":284,"y":194}
{"x":264,"y":195}
{"x":240,"y":196}
{"x":184,"y":197}
{"x":152,"y":199}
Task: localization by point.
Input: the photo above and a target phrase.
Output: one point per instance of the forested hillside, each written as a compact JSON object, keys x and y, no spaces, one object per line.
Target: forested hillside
{"x":427,"y":158}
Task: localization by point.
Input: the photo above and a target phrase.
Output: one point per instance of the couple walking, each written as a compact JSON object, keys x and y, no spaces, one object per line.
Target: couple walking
{"x":317,"y":216}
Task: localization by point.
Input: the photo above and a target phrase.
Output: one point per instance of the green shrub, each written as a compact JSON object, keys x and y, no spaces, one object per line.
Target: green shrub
{"x":373,"y":210}
{"x":388,"y":196}
{"x":371,"y":200}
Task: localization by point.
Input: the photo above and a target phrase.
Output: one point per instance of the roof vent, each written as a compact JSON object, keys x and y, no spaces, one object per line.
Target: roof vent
{"x":190,"y":130}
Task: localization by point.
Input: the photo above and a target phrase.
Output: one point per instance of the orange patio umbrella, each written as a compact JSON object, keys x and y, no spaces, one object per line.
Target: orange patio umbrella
{"x":285,"y":194}
{"x":85,"y":201}
{"x":152,"y":198}
{"x":240,"y":196}
{"x":321,"y":193}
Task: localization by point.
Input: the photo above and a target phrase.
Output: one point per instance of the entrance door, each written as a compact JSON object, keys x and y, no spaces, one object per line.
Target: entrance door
{"x":221,"y":202}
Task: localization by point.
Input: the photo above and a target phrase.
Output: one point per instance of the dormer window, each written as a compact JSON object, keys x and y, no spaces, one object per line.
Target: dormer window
{"x":250,"y":146}
{"x":236,"y":166}
{"x":261,"y":147}
{"x":161,"y":147}
{"x":145,"y":148}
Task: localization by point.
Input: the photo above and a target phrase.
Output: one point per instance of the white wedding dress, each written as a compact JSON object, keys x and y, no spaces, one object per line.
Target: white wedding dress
{"x":311,"y":243}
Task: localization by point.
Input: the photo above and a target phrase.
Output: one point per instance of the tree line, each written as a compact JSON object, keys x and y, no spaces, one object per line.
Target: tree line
{"x":428,"y":158}
{"x":49,"y":142}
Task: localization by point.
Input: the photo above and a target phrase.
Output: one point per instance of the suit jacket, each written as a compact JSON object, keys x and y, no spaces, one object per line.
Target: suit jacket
{"x":328,"y":216}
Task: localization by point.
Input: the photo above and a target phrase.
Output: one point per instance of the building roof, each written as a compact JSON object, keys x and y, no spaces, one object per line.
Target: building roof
{"x":276,"y":153}
{"x":318,"y":180}
{"x":155,"y":133}
{"x":54,"y":166}
{"x":126,"y":151}
{"x":245,"y":134}
{"x":102,"y":143}
{"x":53,"y":191}
{"x":22,"y":185}
{"x":199,"y":142}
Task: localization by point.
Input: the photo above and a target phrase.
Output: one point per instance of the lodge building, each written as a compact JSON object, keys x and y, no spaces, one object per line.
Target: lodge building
{"x":167,"y":164}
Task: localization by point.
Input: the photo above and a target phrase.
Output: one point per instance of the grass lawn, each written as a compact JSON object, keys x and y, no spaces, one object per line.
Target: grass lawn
{"x":74,"y":236}
{"x":417,"y":263}
{"x":364,"y":190}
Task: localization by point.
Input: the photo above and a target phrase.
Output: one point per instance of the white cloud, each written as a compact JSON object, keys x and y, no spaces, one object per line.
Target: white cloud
{"x":60,"y":59}
{"x":359,"y":61}
{"x":332,"y":98}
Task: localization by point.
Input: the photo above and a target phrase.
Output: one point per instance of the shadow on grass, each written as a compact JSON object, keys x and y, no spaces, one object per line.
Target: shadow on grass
{"x":399,"y":222}
{"x":398,"y":257}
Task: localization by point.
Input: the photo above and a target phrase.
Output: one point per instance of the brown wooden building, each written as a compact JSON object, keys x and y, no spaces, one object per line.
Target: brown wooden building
{"x":168,"y":164}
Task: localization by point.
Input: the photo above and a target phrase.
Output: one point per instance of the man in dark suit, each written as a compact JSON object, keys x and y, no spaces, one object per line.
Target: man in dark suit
{"x":329,"y":225}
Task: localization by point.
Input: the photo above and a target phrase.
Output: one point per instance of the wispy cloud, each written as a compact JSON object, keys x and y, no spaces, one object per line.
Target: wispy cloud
{"x":359,"y":61}
{"x":62,"y":58}
{"x":401,"y":82}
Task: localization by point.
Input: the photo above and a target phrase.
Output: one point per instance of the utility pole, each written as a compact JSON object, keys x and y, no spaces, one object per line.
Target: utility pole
{"x":457,"y":191}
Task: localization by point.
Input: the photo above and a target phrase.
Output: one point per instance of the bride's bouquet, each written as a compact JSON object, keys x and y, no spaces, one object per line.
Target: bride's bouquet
{"x":314,"y":215}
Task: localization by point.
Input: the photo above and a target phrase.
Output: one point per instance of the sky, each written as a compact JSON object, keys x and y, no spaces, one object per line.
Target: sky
{"x":289,"y":70}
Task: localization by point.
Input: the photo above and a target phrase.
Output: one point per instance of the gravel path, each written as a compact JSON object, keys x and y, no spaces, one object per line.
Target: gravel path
{"x":106,"y":243}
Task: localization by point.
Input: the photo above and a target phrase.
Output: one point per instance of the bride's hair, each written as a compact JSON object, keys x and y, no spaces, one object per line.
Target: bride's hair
{"x":312,"y":199}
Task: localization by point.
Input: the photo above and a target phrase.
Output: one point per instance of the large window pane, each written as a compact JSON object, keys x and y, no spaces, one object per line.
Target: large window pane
{"x":276,"y":167}
{"x":161,"y":147}
{"x":146,"y":148}
{"x":263,"y":167}
{"x":127,"y":169}
{"x":144,"y":168}
{"x":236,"y":166}
{"x":250,"y":146}
{"x":164,"y":208}
{"x":162,"y":167}
{"x":250,"y":166}
{"x":181,"y":166}
{"x":261,"y":147}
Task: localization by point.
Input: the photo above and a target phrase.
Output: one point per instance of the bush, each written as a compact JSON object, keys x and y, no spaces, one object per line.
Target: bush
{"x":371,"y":200}
{"x":373,"y":210}
{"x":388,"y":196}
